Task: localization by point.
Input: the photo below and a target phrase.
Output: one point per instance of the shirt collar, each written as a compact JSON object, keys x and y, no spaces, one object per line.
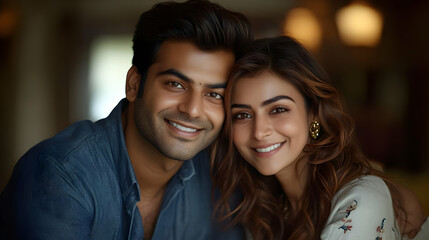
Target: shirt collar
{"x":186,"y":171}
{"x":115,"y":133}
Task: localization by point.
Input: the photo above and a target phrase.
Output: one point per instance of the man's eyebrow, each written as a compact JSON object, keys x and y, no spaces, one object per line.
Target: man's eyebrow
{"x":275,"y":99}
{"x":239,"y":106}
{"x":182,"y":76}
{"x":216,"y":85}
{"x":177,"y":74}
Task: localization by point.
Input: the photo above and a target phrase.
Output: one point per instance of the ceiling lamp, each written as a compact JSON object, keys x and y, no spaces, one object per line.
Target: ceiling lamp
{"x":359,"y":25}
{"x":303,"y":25}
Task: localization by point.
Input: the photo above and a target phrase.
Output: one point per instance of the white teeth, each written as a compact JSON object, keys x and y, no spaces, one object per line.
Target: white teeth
{"x":182,"y":128}
{"x":268,"y":149}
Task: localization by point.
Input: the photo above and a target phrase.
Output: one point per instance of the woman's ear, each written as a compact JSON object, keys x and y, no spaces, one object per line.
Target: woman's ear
{"x":310,"y":118}
{"x":132,"y":84}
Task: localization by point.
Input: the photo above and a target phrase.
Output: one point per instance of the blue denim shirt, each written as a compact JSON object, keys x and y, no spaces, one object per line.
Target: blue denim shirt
{"x":80,"y":184}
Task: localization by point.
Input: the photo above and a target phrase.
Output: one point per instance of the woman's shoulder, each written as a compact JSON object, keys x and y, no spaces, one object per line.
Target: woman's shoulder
{"x":362,"y":209}
{"x":367,"y":201}
{"x":365,"y":181}
{"x":366,"y":187}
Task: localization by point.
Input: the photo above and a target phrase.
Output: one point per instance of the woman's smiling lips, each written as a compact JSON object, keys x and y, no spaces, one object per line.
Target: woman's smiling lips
{"x":267,"y":150}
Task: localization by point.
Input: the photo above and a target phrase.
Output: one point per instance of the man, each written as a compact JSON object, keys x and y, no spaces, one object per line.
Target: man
{"x":142,"y":172}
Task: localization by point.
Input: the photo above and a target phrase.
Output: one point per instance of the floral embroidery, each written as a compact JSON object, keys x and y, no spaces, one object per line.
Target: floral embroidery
{"x":351,"y":208}
{"x":380,"y":230}
{"x":346,"y":221}
{"x":346,"y":227}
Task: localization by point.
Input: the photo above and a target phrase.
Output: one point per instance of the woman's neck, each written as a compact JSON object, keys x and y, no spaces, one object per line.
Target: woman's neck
{"x":293,"y":181}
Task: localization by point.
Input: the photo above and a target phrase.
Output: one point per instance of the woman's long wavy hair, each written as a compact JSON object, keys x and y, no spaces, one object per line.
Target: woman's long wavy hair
{"x":334,"y":158}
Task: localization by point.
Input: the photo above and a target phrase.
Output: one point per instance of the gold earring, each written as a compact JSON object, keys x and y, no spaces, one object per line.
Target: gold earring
{"x":315,"y":129}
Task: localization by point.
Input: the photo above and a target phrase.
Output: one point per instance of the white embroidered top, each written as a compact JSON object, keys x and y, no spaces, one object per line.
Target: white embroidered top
{"x":363,"y":209}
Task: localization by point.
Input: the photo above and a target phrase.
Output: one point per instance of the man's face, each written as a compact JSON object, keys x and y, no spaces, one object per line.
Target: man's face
{"x":181,"y":110}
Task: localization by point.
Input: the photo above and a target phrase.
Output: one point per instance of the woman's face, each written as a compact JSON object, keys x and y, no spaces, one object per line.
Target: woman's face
{"x":270,"y":122}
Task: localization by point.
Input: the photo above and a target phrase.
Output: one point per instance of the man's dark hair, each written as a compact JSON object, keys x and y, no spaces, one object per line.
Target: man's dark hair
{"x":207,"y":25}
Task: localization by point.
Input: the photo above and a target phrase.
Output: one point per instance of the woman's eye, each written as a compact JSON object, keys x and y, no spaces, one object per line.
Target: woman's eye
{"x":175,"y":85}
{"x":279,"y":110}
{"x":240,"y":116}
{"x":215,"y":95}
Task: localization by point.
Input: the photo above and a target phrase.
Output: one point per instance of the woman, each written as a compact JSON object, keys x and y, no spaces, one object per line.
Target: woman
{"x":287,"y":148}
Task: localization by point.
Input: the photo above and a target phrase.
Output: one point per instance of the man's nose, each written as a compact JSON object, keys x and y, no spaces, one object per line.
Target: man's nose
{"x":192,"y":105}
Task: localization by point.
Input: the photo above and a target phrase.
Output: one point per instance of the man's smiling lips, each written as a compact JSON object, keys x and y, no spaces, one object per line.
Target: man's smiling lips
{"x":183,"y":130}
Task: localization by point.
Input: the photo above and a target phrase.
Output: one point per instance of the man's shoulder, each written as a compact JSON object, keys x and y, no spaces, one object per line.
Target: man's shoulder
{"x":64,"y":181}
{"x":63,"y":144}
{"x":78,"y":154}
{"x":67,"y":139}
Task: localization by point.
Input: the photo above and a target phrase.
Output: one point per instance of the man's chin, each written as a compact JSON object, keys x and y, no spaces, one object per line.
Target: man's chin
{"x":180,"y":157}
{"x":179,"y":154}
{"x":181,"y":150}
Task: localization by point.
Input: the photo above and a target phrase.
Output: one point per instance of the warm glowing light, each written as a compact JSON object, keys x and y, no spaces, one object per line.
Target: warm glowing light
{"x":359,"y":25}
{"x":303,"y":25}
{"x":8,"y":22}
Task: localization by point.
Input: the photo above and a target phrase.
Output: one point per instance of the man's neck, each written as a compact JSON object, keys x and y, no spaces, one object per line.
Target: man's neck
{"x":153,"y":170}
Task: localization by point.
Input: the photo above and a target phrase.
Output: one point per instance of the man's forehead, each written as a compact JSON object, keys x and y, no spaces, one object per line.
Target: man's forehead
{"x":187,"y":62}
{"x":209,"y":83}
{"x":171,"y":48}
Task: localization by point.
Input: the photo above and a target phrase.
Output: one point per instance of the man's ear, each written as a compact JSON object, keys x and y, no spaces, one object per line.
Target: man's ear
{"x":132,"y":83}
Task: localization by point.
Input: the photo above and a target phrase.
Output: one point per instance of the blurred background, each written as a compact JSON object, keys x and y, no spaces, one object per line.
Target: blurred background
{"x":63,"y":61}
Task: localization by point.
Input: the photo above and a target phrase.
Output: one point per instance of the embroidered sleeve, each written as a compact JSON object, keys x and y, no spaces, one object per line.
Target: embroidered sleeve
{"x":363,"y":209}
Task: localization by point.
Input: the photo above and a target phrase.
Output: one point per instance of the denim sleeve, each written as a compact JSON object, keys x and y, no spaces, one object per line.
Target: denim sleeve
{"x":43,"y":200}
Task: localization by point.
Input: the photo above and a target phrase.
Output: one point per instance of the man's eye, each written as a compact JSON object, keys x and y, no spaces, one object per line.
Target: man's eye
{"x":279,"y":110}
{"x":215,"y":95}
{"x":175,"y":85}
{"x":240,"y":116}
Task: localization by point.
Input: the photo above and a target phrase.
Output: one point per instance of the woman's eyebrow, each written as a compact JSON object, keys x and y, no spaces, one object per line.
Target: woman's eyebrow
{"x":275,"y":99}
{"x":264,"y":103}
